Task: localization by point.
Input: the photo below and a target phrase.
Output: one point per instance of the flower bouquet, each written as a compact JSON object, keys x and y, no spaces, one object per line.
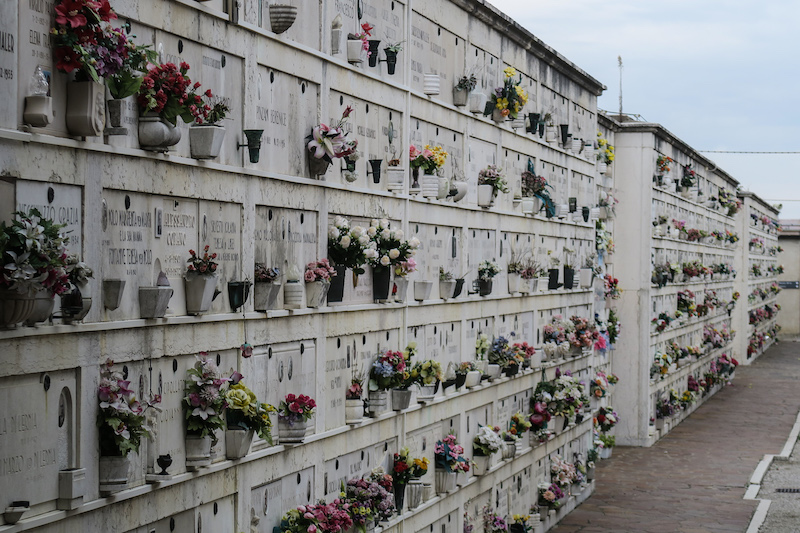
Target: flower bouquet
{"x":346,"y":249}
{"x":551,"y":495}
{"x":246,"y":413}
{"x":294,"y":412}
{"x":508,"y":99}
{"x":318,"y":276}
{"x":328,"y":143}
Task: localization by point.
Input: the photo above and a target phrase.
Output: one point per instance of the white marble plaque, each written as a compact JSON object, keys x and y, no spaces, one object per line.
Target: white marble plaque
{"x":66,"y":206}
{"x":220,"y":227}
{"x":9,"y":74}
{"x":184,"y":521}
{"x":481,"y":246}
{"x":222,"y":73}
{"x":266,"y":507}
{"x":218,"y":515}
{"x":435,"y":51}
{"x":520,"y":497}
{"x":38,"y":433}
{"x":297,"y":489}
{"x":285,"y":237}
{"x":481,"y":155}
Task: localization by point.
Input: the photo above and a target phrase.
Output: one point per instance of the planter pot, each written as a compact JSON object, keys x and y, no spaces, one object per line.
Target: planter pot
{"x":399,"y":491}
{"x":113,"y":289}
{"x":557,"y":424}
{"x":493,"y":371}
{"x":569,"y":278}
{"x":237,"y":442}
{"x":86,"y":108}
{"x":458,"y":190}
{"x":293,"y":295}
{"x":602,"y":167}
{"x":400,"y":289}
{"x":444,"y":188}
{"x":265,"y":294}
{"x":378,"y":402}
{"x":427,"y":392}
{"x":473,"y":379}
{"x":430,"y":84}
{"x":15,"y":307}
{"x":199,"y":292}
{"x":373,"y":52}
{"x":485,"y":195}
{"x":481,"y":464}
{"x":316,"y":292}
{"x":511,"y":370}
{"x":317,"y":166}
{"x":238,"y":292}
{"x":401,"y":399}
{"x":380,"y":284}
{"x":153,"y":301}
{"x":459,"y":287}
{"x":353,"y":411}
{"x":484,"y":287}
{"x":281,"y":17}
{"x":429,"y":184}
{"x":552,"y":280}
{"x":445,"y":481}
{"x":460,"y":97}
{"x":477,"y":102}
{"x":605,"y":453}
{"x":336,"y":288}
{"x":355,"y":51}
{"x":414,"y":492}
{"x":198,"y":451}
{"x":291,"y":433}
{"x":395,"y":178}
{"x":157,"y":135}
{"x":498,"y":116}
{"x":38,"y":110}
{"x":115,"y":111}
{"x":113,"y":474}
{"x":446,"y":289}
{"x":43,"y":304}
{"x":514,"y":282}
{"x":422,"y":290}
{"x":205,"y":140}
{"x":528,"y":206}
{"x":586,"y":275}
{"x":71,"y":488}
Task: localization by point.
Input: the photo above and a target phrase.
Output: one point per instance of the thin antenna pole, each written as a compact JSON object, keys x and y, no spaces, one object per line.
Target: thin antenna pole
{"x":619,"y":60}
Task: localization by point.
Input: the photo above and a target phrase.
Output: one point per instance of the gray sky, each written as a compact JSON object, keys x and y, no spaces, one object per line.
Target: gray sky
{"x":719,"y":74}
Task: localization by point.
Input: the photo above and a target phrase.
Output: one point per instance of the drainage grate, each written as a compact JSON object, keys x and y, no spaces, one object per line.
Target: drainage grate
{"x":788,"y":490}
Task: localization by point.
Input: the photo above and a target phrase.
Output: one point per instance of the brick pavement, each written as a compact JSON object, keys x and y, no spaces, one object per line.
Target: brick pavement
{"x":693,"y":480}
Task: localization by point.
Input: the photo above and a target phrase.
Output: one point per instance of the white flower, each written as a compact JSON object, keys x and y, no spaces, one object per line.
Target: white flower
{"x":385,"y":222}
{"x":364,"y":240}
{"x":414,"y":242}
{"x":345,"y":242}
{"x":385,"y":261}
{"x":374,"y":222}
{"x":386,"y":234}
{"x":341,"y":222}
{"x":398,"y":234}
{"x":372,"y":231}
{"x":369,"y":253}
{"x":333,"y":233}
{"x":394,"y":253}
{"x":357,"y":231}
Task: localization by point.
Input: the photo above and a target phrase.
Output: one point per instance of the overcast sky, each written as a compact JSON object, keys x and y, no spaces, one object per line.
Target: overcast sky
{"x":719,"y":74}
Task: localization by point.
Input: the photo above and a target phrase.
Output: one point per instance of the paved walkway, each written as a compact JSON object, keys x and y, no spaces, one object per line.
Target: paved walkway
{"x":693,"y":480}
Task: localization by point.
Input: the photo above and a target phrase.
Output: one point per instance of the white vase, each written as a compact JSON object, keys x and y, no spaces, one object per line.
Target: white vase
{"x":395,"y":178}
{"x":528,"y":206}
{"x":422,"y":290}
{"x":460,"y":97}
{"x":402,"y":289}
{"x":293,"y":295}
{"x":401,"y":399}
{"x":198,"y":451}
{"x":429,"y":184}
{"x":493,"y":371}
{"x":86,"y":108}
{"x":199,"y":290}
{"x":431,"y":84}
{"x":461,"y":188}
{"x":427,"y":393}
{"x":265,"y":293}
{"x":446,"y":289}
{"x":477,"y":102}
{"x":514,"y":282}
{"x":586,"y":278}
{"x":378,"y":402}
{"x":353,"y":411}
{"x":113,"y":473}
{"x":205,"y":140}
{"x":445,"y":481}
{"x":292,"y":433}
{"x":414,"y":493}
{"x":237,"y":442}
{"x":444,"y":188}
{"x":557,"y":424}
{"x":602,"y":166}
{"x":485,"y":195}
{"x":481,"y":464}
{"x":153,"y":301}
{"x":316,"y":291}
{"x":473,"y":379}
{"x":355,"y":51}
{"x":498,"y":116}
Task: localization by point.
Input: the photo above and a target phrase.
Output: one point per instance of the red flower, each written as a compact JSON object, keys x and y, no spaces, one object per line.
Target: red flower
{"x":66,"y":60}
{"x":70,"y":12}
{"x":105,"y":11}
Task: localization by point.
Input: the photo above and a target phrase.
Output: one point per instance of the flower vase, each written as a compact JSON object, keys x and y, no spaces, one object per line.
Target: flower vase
{"x":484,"y":287}
{"x":114,"y":473}
{"x":281,"y":17}
{"x":602,"y":166}
{"x":317,"y":166}
{"x":493,"y":371}
{"x":514,"y":282}
{"x":115,"y":111}
{"x":205,"y":140}
{"x":381,"y":276}
{"x":316,"y":291}
{"x":481,"y":464}
{"x":153,"y":301}
{"x":292,"y":432}
{"x":444,"y":188}
{"x":477,"y":102}
{"x":446,"y":289}
{"x":429,"y":184}
{"x":15,"y":307}
{"x":395,"y":178}
{"x":42,"y":308}
{"x":399,"y":490}
{"x":336,"y":287}
{"x":485,"y":195}
{"x":427,"y":392}
{"x":460,"y":97}
{"x":265,"y":294}
{"x":198,"y":451}
{"x":569,"y":278}
{"x":422,"y":290}
{"x":293,"y":295}
{"x":355,"y":51}
{"x":237,"y":442}
{"x":378,"y":402}
{"x":156,"y":134}
{"x":586,"y":278}
{"x":353,"y":410}
{"x":473,"y":379}
{"x":414,"y":492}
{"x":400,"y":289}
{"x":557,"y":424}
{"x":86,"y":108}
{"x":498,"y":116}
{"x":445,"y":481}
{"x":528,"y":205}
{"x":199,"y":292}
{"x":401,"y":399}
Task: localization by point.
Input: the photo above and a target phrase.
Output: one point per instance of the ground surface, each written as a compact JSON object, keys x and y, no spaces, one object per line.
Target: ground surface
{"x":693,"y":480}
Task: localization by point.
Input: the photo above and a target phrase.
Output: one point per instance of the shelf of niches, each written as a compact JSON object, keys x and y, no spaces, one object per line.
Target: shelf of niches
{"x":672,"y":422}
{"x":673,"y":288}
{"x":762,"y":326}
{"x":694,"y":206}
{"x":682,"y":373}
{"x":769,"y":300}
{"x":691,"y":246}
{"x":692,"y":324}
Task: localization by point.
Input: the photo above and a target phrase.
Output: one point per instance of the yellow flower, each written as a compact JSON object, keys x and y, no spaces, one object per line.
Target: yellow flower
{"x":238,"y":399}
{"x":510,"y":72}
{"x":502,"y":103}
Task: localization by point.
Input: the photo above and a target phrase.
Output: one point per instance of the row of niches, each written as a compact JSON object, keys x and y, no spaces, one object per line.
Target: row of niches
{"x":760,"y":315}
{"x":712,"y":342}
{"x":683,"y":179}
{"x":760,"y":246}
{"x":761,"y":292}
{"x":668,"y":217}
{"x":147,"y":244}
{"x":761,"y":340}
{"x":271,"y":374}
{"x":670,"y":266}
{"x":760,"y":220}
{"x":764,"y":268}
{"x":687,"y":307}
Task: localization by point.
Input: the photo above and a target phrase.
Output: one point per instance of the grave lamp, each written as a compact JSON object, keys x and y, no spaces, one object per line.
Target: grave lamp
{"x":253,"y":144}
{"x":38,"y":105}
